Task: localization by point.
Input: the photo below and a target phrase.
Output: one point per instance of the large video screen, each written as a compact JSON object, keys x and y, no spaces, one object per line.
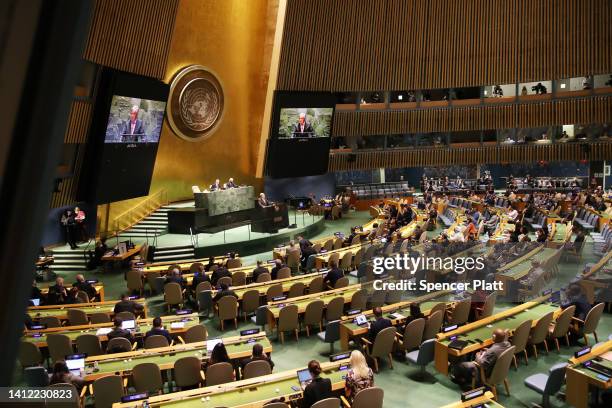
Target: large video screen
{"x":300,"y":134}
{"x":124,"y":137}
{"x":305,"y":122}
{"x":134,"y":120}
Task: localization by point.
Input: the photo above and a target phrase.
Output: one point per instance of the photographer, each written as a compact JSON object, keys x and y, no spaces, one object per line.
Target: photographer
{"x":539,"y":89}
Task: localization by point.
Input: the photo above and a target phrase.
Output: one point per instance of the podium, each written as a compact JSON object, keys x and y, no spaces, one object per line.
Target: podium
{"x":270,"y":219}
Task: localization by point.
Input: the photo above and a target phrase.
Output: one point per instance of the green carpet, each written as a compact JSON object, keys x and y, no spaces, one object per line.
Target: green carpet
{"x":400,"y":390}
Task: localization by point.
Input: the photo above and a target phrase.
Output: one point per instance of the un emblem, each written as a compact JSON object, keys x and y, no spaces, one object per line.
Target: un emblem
{"x":195,"y":103}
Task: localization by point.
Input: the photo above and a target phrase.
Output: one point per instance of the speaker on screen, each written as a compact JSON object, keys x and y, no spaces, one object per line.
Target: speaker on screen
{"x":300,"y":134}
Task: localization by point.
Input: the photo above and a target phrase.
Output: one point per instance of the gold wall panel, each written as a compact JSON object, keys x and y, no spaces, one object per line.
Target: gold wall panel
{"x":374,"y":45}
{"x":228,"y":38}
{"x":231,"y":39}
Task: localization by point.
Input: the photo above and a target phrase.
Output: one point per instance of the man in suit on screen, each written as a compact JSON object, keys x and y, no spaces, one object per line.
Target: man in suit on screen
{"x":133,"y":129}
{"x":302,"y":128}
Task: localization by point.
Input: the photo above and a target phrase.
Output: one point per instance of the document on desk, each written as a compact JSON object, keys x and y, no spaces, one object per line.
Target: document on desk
{"x":103,"y":331}
{"x":607,"y":356}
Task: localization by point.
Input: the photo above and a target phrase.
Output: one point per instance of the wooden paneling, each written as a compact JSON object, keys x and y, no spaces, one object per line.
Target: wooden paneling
{"x":357,"y":45}
{"x":447,"y":157}
{"x":132,"y":35}
{"x":597,"y":109}
{"x":78,"y":122}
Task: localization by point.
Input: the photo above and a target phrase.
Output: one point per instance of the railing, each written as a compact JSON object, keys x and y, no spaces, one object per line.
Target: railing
{"x":143,"y":209}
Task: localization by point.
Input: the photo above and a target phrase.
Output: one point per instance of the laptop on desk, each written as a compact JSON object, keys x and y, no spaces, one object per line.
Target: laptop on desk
{"x":128,"y":325}
{"x":304,"y":377}
{"x":75,"y":363}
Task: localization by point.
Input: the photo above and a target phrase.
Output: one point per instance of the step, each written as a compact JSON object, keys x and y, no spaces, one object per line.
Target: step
{"x":150,"y":230}
{"x":171,"y":257}
{"x":175,"y":248}
{"x":139,"y":234}
{"x":157,"y":217}
{"x":148,"y":222}
{"x":61,"y":269}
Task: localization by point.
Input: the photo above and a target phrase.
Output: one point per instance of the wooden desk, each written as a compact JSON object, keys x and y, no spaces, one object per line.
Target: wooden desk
{"x":263,"y":287}
{"x":98,"y":286}
{"x":60,"y":311}
{"x":579,"y":379}
{"x":487,"y":398}
{"x":44,"y":261}
{"x":598,"y":277}
{"x":162,"y":267}
{"x":165,"y":357}
{"x":511,"y":275}
{"x":124,"y":256}
{"x":280,"y":252}
{"x":350,"y":330}
{"x":323,"y":258}
{"x":482,"y":330}
{"x":248,"y":270}
{"x":251,"y":393}
{"x":274,"y":308}
{"x":39,"y":337}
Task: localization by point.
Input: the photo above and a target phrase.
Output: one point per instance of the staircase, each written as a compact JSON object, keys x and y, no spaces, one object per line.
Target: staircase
{"x":68,"y":260}
{"x":155,"y":223}
{"x":173,"y":253}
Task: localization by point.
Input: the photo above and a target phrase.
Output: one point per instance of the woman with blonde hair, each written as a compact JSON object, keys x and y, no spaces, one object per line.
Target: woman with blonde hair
{"x":359,"y":377}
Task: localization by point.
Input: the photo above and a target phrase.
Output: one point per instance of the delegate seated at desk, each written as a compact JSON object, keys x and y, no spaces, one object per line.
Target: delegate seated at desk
{"x":466,"y":371}
{"x":127,"y":305}
{"x":230,"y":183}
{"x":216,"y":185}
{"x":379,"y":324}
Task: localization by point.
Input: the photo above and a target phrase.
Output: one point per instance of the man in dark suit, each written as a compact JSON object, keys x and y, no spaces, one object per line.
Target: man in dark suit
{"x":349,"y":238}
{"x":306,"y":248}
{"x":133,"y":130}
{"x":256,"y":355}
{"x":302,"y":128}
{"x":263,"y":201}
{"x":198,"y":277}
{"x":58,"y":293}
{"x":119,"y":332}
{"x":333,"y":275}
{"x":230,"y":183}
{"x":158,"y":330}
{"x":175,"y":277}
{"x":278,"y":264}
{"x":304,"y":243}
{"x":216,"y":185}
{"x":84,"y":286}
{"x":379,"y":324}
{"x":219,"y":273}
{"x":318,"y":389}
{"x":259,"y":270}
{"x":127,"y":305}
{"x":224,"y":291}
